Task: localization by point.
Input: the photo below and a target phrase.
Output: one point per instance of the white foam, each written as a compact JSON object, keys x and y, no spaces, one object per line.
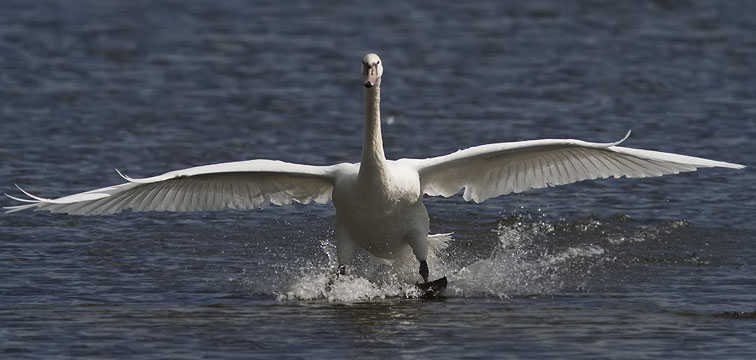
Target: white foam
{"x":515,"y":268}
{"x":346,"y":289}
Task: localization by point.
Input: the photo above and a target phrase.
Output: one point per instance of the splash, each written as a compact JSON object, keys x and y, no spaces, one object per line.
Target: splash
{"x":376,"y":279}
{"x":529,"y":258}
{"x":524,"y":264}
{"x":345,"y":289}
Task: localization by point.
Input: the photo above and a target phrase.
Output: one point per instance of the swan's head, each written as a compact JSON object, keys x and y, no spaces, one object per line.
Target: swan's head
{"x":372,"y":69}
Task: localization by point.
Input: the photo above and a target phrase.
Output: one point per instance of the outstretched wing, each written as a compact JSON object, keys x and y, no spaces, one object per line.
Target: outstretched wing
{"x":235,"y":185}
{"x":492,"y":170}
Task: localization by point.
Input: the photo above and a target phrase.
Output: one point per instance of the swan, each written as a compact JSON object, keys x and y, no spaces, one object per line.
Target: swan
{"x":379,"y":202}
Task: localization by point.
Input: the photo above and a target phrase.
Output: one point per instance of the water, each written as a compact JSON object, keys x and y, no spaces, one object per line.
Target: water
{"x":659,"y":267}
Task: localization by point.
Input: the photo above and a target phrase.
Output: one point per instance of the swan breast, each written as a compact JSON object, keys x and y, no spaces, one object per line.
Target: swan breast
{"x":398,"y":188}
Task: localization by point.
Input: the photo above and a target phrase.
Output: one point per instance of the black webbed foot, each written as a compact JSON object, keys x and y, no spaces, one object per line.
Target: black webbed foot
{"x":340,"y":271}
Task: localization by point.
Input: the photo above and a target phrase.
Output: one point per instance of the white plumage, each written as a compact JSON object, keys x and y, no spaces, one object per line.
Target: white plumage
{"x":378,"y":202}
{"x":492,"y":170}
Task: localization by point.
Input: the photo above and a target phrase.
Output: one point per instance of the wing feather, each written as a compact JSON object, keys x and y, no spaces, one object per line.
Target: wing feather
{"x":531,"y":176}
{"x":174,"y":198}
{"x":239,"y":185}
{"x":598,"y":167}
{"x":561,"y":174}
{"x":492,"y":170}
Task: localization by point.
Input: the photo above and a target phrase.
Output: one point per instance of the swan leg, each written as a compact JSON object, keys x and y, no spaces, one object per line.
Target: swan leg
{"x":424,"y":272}
{"x":344,"y":248}
{"x":419,"y":245}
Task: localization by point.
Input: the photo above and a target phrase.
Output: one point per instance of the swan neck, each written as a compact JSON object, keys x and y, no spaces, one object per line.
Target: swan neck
{"x":373,"y":157}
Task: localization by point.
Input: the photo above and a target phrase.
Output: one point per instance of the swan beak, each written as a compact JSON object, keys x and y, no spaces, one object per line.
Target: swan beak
{"x":370,"y":77}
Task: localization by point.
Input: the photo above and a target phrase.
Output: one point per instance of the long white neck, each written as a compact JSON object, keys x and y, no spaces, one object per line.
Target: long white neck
{"x":373,"y":160}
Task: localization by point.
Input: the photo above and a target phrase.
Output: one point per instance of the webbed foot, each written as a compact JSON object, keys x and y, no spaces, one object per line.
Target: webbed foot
{"x":340,"y":271}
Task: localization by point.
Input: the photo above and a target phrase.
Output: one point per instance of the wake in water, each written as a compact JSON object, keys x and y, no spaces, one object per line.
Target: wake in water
{"x":529,"y":258}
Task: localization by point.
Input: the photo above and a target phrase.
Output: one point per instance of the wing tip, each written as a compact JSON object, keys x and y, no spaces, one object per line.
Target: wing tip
{"x":16,"y":208}
{"x":36,"y":198}
{"x":32,"y":202}
{"x":731,"y":165}
{"x":707,"y":163}
{"x":20,"y":199}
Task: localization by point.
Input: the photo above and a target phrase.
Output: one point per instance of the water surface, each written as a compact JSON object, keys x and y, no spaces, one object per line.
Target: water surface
{"x":660,"y":267}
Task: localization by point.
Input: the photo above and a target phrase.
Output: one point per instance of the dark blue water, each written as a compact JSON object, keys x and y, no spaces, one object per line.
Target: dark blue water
{"x":659,"y":267}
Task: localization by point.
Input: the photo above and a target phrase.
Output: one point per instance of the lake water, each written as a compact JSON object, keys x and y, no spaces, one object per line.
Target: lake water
{"x":660,"y":267}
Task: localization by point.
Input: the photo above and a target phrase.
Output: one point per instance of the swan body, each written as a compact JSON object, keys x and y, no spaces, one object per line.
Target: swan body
{"x":379,"y":202}
{"x":382,"y":217}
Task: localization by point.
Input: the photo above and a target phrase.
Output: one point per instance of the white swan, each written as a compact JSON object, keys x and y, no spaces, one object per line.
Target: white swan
{"x":379,"y":202}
